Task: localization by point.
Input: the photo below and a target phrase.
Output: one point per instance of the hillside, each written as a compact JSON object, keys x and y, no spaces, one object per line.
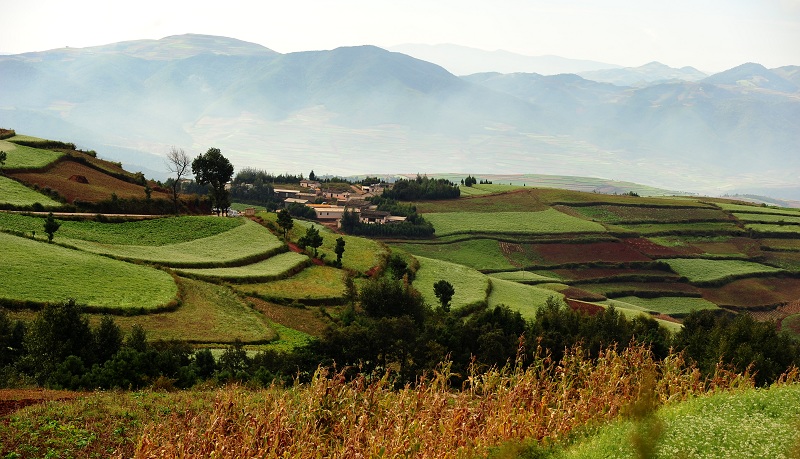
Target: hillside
{"x":367,"y":109}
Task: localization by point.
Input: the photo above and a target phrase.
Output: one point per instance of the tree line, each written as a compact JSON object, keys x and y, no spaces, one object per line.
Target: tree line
{"x":386,"y":327}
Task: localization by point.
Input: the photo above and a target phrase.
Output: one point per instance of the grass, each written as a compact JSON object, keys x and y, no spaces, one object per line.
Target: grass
{"x":670,"y":305}
{"x":524,"y":277}
{"x":759,"y":209}
{"x":17,"y":194}
{"x":700,"y":271}
{"x":548,"y":221}
{"x":632,"y":311}
{"x":208,"y":314}
{"x":773,"y":228}
{"x":270,"y":269}
{"x":767,"y":218}
{"x":239,"y":245}
{"x":647,"y":229}
{"x":22,"y":157}
{"x":475,"y":253}
{"x":470,"y":285}
{"x":39,"y":272}
{"x":153,"y":232}
{"x":631,"y":214}
{"x":360,"y":254}
{"x":526,"y":299}
{"x":746,"y":424}
{"x":313,"y":283}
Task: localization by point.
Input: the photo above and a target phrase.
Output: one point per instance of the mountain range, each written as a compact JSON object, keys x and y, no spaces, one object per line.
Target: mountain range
{"x":364,"y":109}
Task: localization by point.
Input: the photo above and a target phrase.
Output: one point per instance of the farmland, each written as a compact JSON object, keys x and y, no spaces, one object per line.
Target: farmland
{"x":22,"y":157}
{"x":520,"y":297}
{"x":16,"y":194}
{"x":316,"y":283}
{"x":548,"y":221}
{"x":480,"y":254}
{"x":471,"y":286}
{"x":672,"y":306}
{"x":700,"y":271}
{"x":276,"y":267}
{"x":38,"y":273}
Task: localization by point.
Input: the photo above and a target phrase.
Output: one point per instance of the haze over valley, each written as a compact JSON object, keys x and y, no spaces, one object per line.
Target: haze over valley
{"x":363,"y":109}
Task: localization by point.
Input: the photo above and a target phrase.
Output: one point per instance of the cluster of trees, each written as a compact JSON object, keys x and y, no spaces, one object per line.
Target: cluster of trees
{"x":470,"y":180}
{"x":386,"y":327}
{"x":414,"y":227}
{"x":422,"y":188}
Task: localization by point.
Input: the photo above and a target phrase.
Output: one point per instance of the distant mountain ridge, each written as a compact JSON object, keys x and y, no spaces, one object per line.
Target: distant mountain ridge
{"x":654,"y":72}
{"x":363,"y":109}
{"x":462,"y":60}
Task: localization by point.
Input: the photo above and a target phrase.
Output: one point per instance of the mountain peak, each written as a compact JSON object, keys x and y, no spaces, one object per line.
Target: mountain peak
{"x":753,"y":75}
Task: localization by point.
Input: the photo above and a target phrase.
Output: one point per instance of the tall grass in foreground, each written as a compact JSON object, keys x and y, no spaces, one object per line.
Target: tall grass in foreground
{"x":333,"y":417}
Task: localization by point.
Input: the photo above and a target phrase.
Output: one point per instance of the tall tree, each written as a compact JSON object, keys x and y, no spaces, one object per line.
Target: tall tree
{"x":311,"y":239}
{"x":214,"y":169}
{"x":285,"y":221}
{"x":3,"y":157}
{"x":339,"y":250}
{"x":444,"y":291}
{"x":50,"y":226}
{"x":177,"y":163}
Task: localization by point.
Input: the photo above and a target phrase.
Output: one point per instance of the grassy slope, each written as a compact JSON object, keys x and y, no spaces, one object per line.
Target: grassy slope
{"x":209,"y":314}
{"x":470,"y":285}
{"x":14,"y":193}
{"x":22,"y":157}
{"x":475,"y":253}
{"x":271,"y":268}
{"x":316,"y":282}
{"x":549,"y":221}
{"x":749,"y":424}
{"x":701,"y":270}
{"x":520,"y":297}
{"x":241,"y":243}
{"x":40,"y":272}
{"x":669,"y":305}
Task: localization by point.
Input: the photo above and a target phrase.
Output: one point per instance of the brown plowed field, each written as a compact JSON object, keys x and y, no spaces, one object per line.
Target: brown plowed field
{"x":754,"y":292}
{"x":610,"y":252}
{"x":652,"y":249}
{"x":14,"y":399}
{"x":99,"y":188}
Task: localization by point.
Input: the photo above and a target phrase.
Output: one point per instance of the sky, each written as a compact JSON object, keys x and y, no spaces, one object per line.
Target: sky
{"x":711,"y":35}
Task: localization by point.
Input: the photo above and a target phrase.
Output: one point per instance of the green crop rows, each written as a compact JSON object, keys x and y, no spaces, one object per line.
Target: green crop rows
{"x":22,"y":157}
{"x":39,"y":272}
{"x":272,"y":268}
{"x":549,"y":221}
{"x":526,"y":299}
{"x":16,"y":194}
{"x":475,"y":253}
{"x":698,"y":270}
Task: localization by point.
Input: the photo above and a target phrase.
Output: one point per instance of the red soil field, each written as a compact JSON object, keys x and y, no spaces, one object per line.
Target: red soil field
{"x":99,"y":186}
{"x":605,"y":273}
{"x":581,"y":295}
{"x":611,"y":252}
{"x":652,"y":249}
{"x":754,"y":293}
{"x":588,"y":308}
{"x":14,"y":399}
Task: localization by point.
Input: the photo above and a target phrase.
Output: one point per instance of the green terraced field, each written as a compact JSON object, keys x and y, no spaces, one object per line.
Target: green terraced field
{"x":39,"y":272}
{"x":360,"y":254}
{"x":22,"y":157}
{"x":239,"y":245}
{"x":17,"y":194}
{"x":767,"y":218}
{"x":526,"y":299}
{"x":759,"y":209}
{"x":153,"y":232}
{"x":671,"y":306}
{"x":524,"y":277}
{"x":470,"y":285}
{"x":475,"y":253}
{"x":549,"y":221}
{"x":208,"y":314}
{"x":270,"y":269}
{"x":313,"y":283}
{"x":635,"y":214}
{"x":704,"y":271}
{"x":767,"y":228}
{"x":683,"y":228}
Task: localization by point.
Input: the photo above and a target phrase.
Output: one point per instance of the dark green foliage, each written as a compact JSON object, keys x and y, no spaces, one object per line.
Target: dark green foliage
{"x":59,"y":331}
{"x":312,"y":239}
{"x":422,"y":188}
{"x":312,"y":175}
{"x":301,"y":211}
{"x":12,"y":336}
{"x":285,"y":221}
{"x":107,"y":339}
{"x":339,"y":250}
{"x":738,"y":341}
{"x":469,"y":181}
{"x":251,"y":186}
{"x":385,"y":297}
{"x":444,"y":291}
{"x":398,"y":267}
{"x":50,"y":226}
{"x":3,"y":157}
{"x":214,"y":169}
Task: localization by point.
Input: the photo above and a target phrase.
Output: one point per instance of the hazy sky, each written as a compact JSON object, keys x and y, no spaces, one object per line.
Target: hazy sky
{"x":711,"y":35}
